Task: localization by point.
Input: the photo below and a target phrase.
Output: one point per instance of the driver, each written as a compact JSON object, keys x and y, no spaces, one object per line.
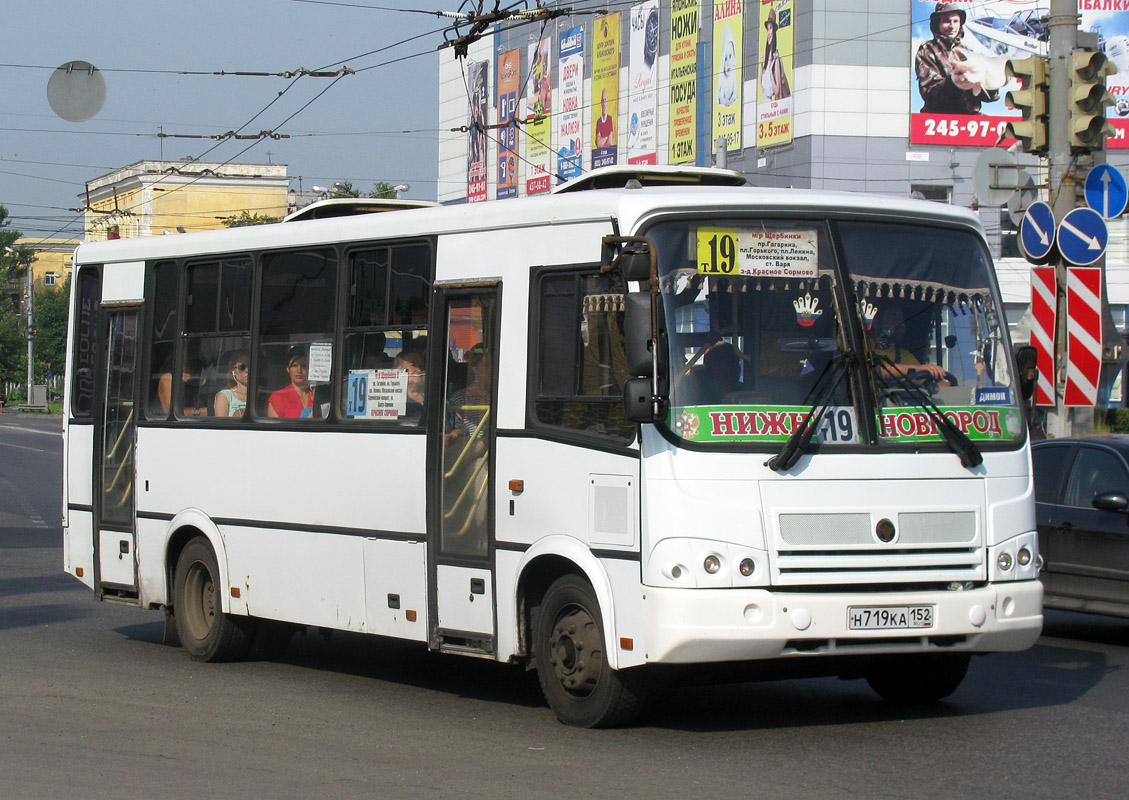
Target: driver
{"x":885,"y":339}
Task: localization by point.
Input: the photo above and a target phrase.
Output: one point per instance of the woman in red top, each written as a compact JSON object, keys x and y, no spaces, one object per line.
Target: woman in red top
{"x":293,"y":400}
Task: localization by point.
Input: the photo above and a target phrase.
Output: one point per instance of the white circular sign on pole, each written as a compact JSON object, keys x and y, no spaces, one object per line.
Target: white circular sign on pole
{"x":76,"y":91}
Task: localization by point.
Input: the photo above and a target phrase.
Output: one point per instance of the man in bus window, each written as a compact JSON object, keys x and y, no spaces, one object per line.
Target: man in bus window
{"x":886,"y":335}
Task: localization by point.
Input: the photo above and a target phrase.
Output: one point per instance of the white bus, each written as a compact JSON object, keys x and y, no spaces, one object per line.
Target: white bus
{"x":595,"y":432}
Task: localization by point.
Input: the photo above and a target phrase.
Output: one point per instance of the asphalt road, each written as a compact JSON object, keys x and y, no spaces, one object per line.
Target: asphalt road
{"x":92,"y":704}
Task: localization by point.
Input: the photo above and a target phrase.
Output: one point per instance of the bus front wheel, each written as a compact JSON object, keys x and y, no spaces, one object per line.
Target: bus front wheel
{"x":205,"y":631}
{"x":917,"y":678}
{"x":568,"y":645}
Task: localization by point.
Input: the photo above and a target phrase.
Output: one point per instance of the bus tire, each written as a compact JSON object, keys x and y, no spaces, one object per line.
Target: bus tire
{"x":569,"y":648}
{"x":911,"y":679}
{"x":205,"y":631}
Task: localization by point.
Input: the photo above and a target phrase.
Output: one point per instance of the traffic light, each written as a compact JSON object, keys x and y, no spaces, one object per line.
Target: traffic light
{"x":1088,"y":99}
{"x":1031,"y":100}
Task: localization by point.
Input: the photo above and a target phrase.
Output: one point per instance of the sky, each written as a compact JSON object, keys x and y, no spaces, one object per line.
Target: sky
{"x":376,"y":125}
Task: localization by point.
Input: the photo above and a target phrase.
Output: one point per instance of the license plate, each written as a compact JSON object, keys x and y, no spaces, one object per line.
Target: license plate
{"x":877,"y":618}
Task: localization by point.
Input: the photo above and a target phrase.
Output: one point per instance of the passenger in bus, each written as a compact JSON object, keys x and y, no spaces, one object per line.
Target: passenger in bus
{"x":374,"y":356}
{"x":297,"y":398}
{"x":412,"y":362}
{"x":232,"y":400}
{"x":886,"y":336}
{"x":718,"y":376}
{"x":191,"y":377}
{"x":470,"y":404}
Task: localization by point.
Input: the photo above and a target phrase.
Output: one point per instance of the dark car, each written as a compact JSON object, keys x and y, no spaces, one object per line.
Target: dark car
{"x":1082,"y":511}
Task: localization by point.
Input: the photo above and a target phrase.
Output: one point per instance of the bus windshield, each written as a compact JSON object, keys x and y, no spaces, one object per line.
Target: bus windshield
{"x":761,"y":314}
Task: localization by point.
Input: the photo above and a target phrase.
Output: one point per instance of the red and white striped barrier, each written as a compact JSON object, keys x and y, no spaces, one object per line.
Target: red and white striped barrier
{"x":1043,"y":312}
{"x":1083,"y":335}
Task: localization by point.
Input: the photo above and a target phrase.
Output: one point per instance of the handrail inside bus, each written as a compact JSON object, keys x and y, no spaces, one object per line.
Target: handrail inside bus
{"x":126,"y":426}
{"x":459,"y":461}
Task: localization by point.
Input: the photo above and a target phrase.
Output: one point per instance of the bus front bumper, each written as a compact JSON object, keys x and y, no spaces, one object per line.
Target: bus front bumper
{"x":685,"y":626}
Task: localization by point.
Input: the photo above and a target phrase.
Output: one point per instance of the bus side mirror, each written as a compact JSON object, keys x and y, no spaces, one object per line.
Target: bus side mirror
{"x":1026,"y":359}
{"x":639,"y":403}
{"x":639,"y":338}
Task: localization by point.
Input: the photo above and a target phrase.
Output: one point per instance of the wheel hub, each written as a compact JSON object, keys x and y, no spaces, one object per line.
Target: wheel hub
{"x":575,"y":652}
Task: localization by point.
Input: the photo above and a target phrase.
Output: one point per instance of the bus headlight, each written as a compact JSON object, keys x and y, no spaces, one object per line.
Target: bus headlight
{"x":1023,"y":557}
{"x":712,"y":564}
{"x":1004,"y":560}
{"x":747,"y":566}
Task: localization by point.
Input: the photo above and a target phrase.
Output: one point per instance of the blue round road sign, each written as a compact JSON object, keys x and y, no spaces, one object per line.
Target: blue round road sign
{"x":1037,"y":231}
{"x":1106,"y":191}
{"x":1082,"y":236}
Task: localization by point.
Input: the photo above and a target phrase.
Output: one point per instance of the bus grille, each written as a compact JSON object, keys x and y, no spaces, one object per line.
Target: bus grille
{"x":929,"y":547}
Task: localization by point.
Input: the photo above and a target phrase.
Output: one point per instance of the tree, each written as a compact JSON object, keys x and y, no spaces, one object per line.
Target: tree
{"x":383,"y":190}
{"x":14,"y":258}
{"x":343,"y":189}
{"x":245,"y":218}
{"x":51,"y":310}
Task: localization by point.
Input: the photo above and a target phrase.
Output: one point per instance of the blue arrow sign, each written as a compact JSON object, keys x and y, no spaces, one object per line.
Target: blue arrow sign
{"x":1106,"y":191}
{"x":1082,"y":236}
{"x":1037,"y":231}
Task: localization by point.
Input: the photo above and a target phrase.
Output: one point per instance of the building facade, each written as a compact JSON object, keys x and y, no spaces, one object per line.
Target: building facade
{"x":825,"y":94}
{"x":151,"y":198}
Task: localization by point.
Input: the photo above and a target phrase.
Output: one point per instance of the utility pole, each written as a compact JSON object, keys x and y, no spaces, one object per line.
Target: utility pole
{"x":29,"y":327}
{"x":1062,"y":26}
{"x":1063,"y":104}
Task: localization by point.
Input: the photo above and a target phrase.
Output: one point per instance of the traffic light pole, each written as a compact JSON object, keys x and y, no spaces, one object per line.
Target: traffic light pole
{"x":1062,"y":26}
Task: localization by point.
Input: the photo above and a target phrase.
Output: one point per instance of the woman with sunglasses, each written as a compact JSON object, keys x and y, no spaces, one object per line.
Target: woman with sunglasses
{"x":232,"y":401}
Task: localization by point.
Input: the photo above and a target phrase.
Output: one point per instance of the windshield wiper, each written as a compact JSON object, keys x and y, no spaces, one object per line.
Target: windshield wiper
{"x":838,"y":368}
{"x":965,"y":449}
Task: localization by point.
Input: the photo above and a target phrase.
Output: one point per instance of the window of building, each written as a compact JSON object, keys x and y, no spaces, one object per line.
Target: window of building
{"x":926,"y":191}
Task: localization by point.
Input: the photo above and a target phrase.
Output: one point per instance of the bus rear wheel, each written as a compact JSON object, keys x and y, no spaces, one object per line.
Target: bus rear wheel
{"x":568,"y":645}
{"x":205,"y":631}
{"x":911,"y":679}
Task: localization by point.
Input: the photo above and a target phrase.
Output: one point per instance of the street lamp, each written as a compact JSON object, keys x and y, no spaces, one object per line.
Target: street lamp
{"x":29,"y":332}
{"x":401,"y":187}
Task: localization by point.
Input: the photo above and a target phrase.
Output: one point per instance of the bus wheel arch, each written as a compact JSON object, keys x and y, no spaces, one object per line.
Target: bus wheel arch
{"x":571,"y":651}
{"x":545,"y":562}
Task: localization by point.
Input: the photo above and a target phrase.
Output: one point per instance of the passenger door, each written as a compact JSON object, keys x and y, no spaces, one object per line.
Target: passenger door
{"x":115,"y":425}
{"x":461,"y":383}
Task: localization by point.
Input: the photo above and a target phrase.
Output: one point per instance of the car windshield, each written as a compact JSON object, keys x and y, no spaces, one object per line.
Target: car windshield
{"x":757,"y":312}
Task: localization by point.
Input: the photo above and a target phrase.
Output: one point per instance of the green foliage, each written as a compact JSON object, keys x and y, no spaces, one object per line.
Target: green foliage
{"x":1117,"y":420}
{"x":50,"y":313}
{"x":343,"y":189}
{"x":245,"y":218}
{"x":383,"y":191}
{"x":14,"y":258}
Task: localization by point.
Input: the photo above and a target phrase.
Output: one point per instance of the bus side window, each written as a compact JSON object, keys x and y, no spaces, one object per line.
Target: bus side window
{"x":385,"y":355}
{"x":162,"y":340}
{"x":217,"y":320}
{"x":296,"y":321}
{"x":580,"y":361}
